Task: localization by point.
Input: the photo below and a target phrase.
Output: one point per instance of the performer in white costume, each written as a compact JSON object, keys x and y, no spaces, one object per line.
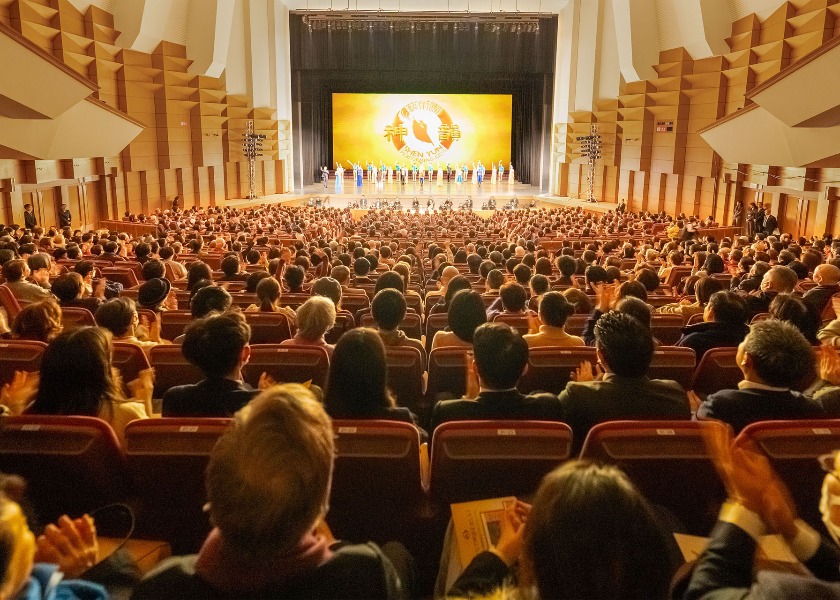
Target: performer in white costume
{"x":493,"y":175}
{"x":339,"y":177}
{"x":510,"y":175}
{"x":439,"y":175}
{"x":474,"y":179}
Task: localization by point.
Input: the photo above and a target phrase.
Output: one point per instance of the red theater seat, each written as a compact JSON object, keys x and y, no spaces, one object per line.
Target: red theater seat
{"x":167,"y":459}
{"x":130,"y":360}
{"x":716,"y":371}
{"x":19,"y":355}
{"x":287,"y":364}
{"x":670,"y":362}
{"x":434,"y":323}
{"x":9,"y":302}
{"x":448,"y":372}
{"x":666,"y":328}
{"x":405,"y":375}
{"x":410,"y":325}
{"x":71,"y":464}
{"x":550,"y":368}
{"x":793,"y":448}
{"x":377,"y":485}
{"x":668,"y":462}
{"x":173,"y":323}
{"x":171,"y":369}
{"x":475,"y":460}
{"x":73,"y":317}
{"x":268,"y":328}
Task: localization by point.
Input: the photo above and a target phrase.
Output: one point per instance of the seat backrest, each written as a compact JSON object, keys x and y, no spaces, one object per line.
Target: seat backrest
{"x":694,"y":319}
{"x":518,"y":322}
{"x":125,"y":277}
{"x":287,"y":364}
{"x":173,"y":323}
{"x":74,"y":316}
{"x":676,"y":274}
{"x":293,"y":301}
{"x":575,"y":324}
{"x":434,"y":323}
{"x":793,"y":448}
{"x":344,"y":321}
{"x":550,"y":368}
{"x":72,"y":465}
{"x":668,"y":462}
{"x":171,"y":369}
{"x":405,"y":375}
{"x":167,"y":459}
{"x":9,"y":302}
{"x":19,"y":355}
{"x":410,"y":325}
{"x":671,"y":362}
{"x":130,"y":360}
{"x":717,"y":370}
{"x":376,"y":482}
{"x":448,"y":372}
{"x":476,"y":460}
{"x":268,"y":328}
{"x":353,"y":303}
{"x":666,"y":328}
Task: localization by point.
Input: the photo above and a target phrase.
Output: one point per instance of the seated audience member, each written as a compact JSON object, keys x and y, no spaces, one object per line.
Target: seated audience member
{"x":579,"y":299}
{"x":589,"y":534}
{"x":724,"y":325}
{"x":357,"y":387}
{"x":388,"y":310}
{"x":466,"y":314}
{"x":119,"y":316}
{"x":446,"y":276}
{"x":196,"y":272}
{"x":759,"y":504}
{"x":703,"y":290}
{"x":38,"y":322}
{"x":567,"y":267}
{"x":500,"y":358}
{"x":48,"y":566}
{"x":342,"y":275}
{"x":404,"y":269}
{"x":648,"y":278}
{"x":218,"y":346}
{"x":77,"y":379}
{"x":211,"y":298}
{"x":539,"y":286}
{"x":70,"y":291}
{"x":268,"y":486}
{"x":361,"y":269}
{"x":154,"y":294}
{"x":797,"y":312}
{"x":268,"y":299}
{"x":456,"y":284}
{"x":495,"y":280}
{"x":153,"y":268}
{"x":554,"y":311}
{"x":752,"y":281}
{"x":254,"y":280}
{"x":774,"y":357}
{"x":231,"y":269}
{"x":328,"y":288}
{"x":40,"y":267}
{"x":293,"y":278}
{"x":168,"y":257}
{"x":778,"y":280}
{"x":827,"y":278}
{"x":624,"y":349}
{"x":313,"y":319}
{"x":15,"y":273}
{"x":513,"y":300}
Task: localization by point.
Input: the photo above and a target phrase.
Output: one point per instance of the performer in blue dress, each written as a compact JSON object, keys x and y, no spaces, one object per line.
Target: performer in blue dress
{"x":501,"y":171}
{"x":359,"y":171}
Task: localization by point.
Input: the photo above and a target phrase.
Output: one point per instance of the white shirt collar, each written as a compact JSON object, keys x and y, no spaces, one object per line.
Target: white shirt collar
{"x":752,"y":385}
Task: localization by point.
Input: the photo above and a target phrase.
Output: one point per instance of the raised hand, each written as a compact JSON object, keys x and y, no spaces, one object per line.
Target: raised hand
{"x":71,"y":544}
{"x":585,"y":372}
{"x":17,"y":394}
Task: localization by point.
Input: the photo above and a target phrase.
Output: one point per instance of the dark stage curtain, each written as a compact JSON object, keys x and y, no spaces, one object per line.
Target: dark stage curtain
{"x":441,"y":61}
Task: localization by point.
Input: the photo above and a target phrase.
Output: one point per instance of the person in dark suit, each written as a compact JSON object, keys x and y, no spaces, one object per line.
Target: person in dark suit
{"x":29,"y":219}
{"x":770,"y":224}
{"x":624,"y":349}
{"x":724,"y":325}
{"x":778,"y":280}
{"x":774,"y":357}
{"x":827,"y":278}
{"x":759,"y":504}
{"x":500,"y":358}
{"x":218,"y":345}
{"x":64,"y":216}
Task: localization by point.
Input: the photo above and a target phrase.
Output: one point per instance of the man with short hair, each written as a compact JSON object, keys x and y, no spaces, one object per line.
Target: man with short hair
{"x":724,"y":325}
{"x":29,"y":220}
{"x":624,"y":348}
{"x":446,"y":276}
{"x":827,"y":278}
{"x":778,"y":280}
{"x":218,"y":346}
{"x":40,"y":268}
{"x":231,"y":267}
{"x":500,"y":358}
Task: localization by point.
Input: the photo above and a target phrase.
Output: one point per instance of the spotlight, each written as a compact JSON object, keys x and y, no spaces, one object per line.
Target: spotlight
{"x":476,"y":27}
{"x":412,"y":28}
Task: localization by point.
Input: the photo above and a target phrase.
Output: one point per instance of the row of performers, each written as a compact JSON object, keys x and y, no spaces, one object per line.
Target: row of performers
{"x":396,"y":204}
{"x":378,"y":175}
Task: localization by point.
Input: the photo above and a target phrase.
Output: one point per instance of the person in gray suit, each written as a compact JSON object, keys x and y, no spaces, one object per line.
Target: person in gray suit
{"x":624,"y":349}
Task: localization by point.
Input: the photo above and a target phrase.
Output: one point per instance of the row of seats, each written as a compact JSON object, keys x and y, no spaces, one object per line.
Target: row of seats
{"x":381,"y":484}
{"x":548,"y":370}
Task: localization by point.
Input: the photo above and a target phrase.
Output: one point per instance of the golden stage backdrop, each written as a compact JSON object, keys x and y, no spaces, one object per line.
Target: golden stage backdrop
{"x":422,"y":128}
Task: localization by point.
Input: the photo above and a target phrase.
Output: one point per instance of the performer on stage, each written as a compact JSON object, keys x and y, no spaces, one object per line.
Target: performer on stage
{"x":339,"y":177}
{"x":480,"y":175}
{"x":390,"y":174}
{"x":466,"y":171}
{"x":501,"y":172}
{"x":459,"y":175}
{"x":511,"y":179}
{"x":474,"y":175}
{"x":414,"y":170}
{"x":493,"y":175}
{"x":439,"y":175}
{"x":359,"y":175}
{"x":325,"y":176}
{"x":431,"y":172}
{"x":448,"y":172}
{"x":422,"y":176}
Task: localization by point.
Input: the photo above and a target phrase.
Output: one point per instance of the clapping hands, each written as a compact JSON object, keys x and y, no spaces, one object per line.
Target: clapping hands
{"x":585,"y":372}
{"x":17,"y":394}
{"x":71,"y":544}
{"x":511,"y":532}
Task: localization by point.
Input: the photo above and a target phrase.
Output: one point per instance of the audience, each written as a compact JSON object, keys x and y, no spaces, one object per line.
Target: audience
{"x":15,"y":273}
{"x":466,"y":314}
{"x":774,"y":358}
{"x":500,"y":358}
{"x":388,"y":310}
{"x":313,"y":319}
{"x":724,"y":325}
{"x":554,"y":311}
{"x":623,"y":391}
{"x":38,"y":322}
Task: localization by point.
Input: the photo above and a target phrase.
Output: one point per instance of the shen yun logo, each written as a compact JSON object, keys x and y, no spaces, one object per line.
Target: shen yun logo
{"x":422,"y":131}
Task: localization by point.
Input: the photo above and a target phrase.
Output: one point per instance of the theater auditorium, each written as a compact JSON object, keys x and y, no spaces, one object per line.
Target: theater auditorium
{"x":466,"y":299}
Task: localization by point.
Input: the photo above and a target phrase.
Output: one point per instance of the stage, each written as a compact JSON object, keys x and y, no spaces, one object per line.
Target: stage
{"x":349,"y":194}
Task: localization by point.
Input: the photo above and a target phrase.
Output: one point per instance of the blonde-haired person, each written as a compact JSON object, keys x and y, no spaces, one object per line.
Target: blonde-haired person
{"x":268,"y":487}
{"x":45,"y":567}
{"x":314,"y":319}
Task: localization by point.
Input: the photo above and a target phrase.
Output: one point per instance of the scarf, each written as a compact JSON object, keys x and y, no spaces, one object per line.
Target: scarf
{"x":226,"y":571}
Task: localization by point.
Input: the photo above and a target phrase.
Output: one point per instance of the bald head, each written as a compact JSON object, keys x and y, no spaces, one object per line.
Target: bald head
{"x":826,"y":275}
{"x":447,"y":274}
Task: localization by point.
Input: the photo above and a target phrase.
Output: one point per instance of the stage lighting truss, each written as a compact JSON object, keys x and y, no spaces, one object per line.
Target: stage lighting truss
{"x":334,"y":20}
{"x":590,"y":148}
{"x":251,"y":150}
